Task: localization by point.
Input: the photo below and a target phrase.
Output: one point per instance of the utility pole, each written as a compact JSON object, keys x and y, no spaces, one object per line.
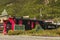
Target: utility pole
{"x":40,"y":13}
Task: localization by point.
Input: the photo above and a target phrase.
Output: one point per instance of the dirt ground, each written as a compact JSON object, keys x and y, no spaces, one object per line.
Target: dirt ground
{"x":24,"y":37}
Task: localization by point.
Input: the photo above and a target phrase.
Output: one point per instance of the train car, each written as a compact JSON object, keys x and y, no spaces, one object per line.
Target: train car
{"x":21,"y":24}
{"x":25,"y":24}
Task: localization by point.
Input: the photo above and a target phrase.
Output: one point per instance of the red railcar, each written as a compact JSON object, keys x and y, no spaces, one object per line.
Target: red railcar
{"x":28,"y":23}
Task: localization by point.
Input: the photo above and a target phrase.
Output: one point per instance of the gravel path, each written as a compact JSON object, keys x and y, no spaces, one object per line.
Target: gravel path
{"x":6,"y":37}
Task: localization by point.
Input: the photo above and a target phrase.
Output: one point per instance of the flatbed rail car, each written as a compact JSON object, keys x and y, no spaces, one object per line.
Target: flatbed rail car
{"x":28,"y":23}
{"x":50,"y":25}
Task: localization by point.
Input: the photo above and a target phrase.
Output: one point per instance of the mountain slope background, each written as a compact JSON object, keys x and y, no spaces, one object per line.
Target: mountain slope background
{"x":49,"y":9}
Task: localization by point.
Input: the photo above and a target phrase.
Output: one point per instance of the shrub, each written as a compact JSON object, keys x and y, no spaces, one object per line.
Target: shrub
{"x":10,"y":32}
{"x":58,"y":31}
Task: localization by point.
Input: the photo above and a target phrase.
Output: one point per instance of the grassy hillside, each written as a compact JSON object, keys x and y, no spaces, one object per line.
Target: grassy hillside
{"x":49,"y":9}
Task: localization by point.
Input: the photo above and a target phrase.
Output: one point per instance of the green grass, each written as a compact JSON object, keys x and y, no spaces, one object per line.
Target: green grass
{"x":54,"y":32}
